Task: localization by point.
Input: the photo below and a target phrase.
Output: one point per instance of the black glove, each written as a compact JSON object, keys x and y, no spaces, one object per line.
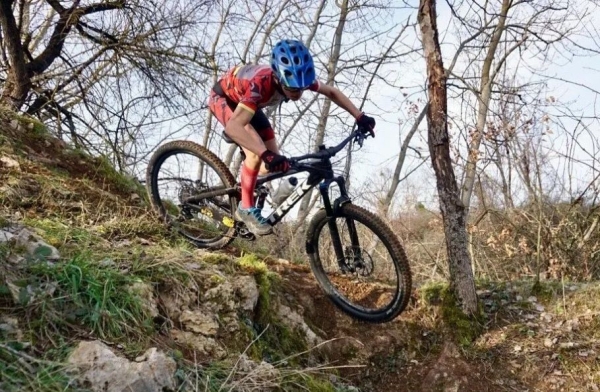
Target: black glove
{"x":366,"y":124}
{"x":275,"y":162}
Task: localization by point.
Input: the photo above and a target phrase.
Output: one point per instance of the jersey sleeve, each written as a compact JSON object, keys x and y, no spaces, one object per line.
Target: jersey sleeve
{"x":315,"y":86}
{"x":252,"y":96}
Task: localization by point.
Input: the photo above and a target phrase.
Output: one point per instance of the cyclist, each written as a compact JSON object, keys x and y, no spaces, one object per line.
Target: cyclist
{"x":236,"y":101}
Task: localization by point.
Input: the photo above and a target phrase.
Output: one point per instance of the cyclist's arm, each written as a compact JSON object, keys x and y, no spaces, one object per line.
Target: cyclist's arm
{"x":339,"y":99}
{"x":238,"y":131}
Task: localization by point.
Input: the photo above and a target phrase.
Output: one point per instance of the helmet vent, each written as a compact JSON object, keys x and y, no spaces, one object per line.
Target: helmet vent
{"x":285,"y":60}
{"x":305,"y":58}
{"x":287,"y":73}
{"x":296,"y":60}
{"x":293,"y":49}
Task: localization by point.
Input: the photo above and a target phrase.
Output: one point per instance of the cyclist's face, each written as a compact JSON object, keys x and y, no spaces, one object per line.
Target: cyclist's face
{"x":293,"y":94}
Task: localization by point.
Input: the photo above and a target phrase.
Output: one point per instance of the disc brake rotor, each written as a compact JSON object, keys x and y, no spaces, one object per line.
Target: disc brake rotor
{"x":358,"y":261}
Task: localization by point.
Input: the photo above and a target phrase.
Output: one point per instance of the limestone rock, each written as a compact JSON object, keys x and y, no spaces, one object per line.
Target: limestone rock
{"x":36,"y":246}
{"x":5,"y":236}
{"x":263,"y":374}
{"x":32,"y":292}
{"x":247,"y":290}
{"x":9,"y":163}
{"x":203,"y":344}
{"x":175,"y":299}
{"x":104,"y":371}
{"x":220,"y":298}
{"x":199,"y":322}
{"x":146,"y":294}
{"x":9,"y":329}
{"x":293,"y":320}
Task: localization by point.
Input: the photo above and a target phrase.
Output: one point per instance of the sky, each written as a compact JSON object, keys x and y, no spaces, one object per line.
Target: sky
{"x":389,"y":105}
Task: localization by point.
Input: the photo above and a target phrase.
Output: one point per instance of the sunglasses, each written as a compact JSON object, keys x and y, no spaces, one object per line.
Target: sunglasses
{"x":293,"y":90}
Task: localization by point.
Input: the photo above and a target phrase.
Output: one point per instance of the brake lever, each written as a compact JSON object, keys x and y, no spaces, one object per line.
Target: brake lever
{"x":360,"y":138}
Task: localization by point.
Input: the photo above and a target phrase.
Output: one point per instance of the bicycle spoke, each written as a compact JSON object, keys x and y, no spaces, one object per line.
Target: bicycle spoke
{"x":181,"y":178}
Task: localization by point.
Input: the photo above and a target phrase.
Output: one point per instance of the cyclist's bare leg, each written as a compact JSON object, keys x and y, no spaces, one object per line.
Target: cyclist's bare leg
{"x":250,"y":170}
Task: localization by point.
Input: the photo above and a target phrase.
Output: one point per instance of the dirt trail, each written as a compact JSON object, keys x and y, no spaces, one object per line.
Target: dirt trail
{"x":396,"y":356}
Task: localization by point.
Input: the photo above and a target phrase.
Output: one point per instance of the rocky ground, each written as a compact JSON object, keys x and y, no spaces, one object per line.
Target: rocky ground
{"x":96,"y":295}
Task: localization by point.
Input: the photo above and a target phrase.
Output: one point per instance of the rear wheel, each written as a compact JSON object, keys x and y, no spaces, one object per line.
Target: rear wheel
{"x":177,"y":172}
{"x":360,"y":263}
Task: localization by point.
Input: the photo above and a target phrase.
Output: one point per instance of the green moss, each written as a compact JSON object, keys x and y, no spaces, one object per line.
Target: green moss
{"x":217,"y":279}
{"x":464,"y":329}
{"x":34,"y":126}
{"x":308,"y":382}
{"x":76,"y":153}
{"x":251,"y":263}
{"x":274,"y":340}
{"x":278,"y":341}
{"x":216,"y":258}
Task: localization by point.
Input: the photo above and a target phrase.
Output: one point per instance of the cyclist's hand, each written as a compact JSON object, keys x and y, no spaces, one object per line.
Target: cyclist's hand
{"x":366,"y":124}
{"x":275,"y":162}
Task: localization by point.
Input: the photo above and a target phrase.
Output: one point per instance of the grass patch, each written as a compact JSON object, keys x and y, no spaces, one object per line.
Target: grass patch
{"x":79,"y":293}
{"x":226,"y":376}
{"x":133,"y":226}
{"x":58,"y":233}
{"x":20,"y":372}
{"x":158,"y":268}
{"x":546,"y":291}
{"x":122,"y":182}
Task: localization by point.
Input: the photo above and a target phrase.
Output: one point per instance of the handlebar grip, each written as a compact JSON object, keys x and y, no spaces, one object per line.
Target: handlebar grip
{"x":365,"y":130}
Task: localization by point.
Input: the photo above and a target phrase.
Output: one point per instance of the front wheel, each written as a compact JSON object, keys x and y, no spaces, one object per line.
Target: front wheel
{"x":360,"y":263}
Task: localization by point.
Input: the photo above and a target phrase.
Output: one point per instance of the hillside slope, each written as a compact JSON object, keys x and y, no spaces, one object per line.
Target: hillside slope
{"x":83,"y":259}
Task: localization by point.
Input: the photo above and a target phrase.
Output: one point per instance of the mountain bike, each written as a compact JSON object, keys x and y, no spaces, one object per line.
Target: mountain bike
{"x":355,"y":256}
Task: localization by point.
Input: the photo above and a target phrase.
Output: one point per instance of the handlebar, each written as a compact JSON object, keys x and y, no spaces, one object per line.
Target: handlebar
{"x":358,"y":135}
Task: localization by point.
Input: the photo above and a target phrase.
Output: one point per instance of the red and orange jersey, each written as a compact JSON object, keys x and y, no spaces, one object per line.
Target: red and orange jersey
{"x":253,"y":87}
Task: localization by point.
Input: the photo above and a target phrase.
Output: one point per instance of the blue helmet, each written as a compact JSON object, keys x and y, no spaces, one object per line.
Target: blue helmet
{"x":293,"y":64}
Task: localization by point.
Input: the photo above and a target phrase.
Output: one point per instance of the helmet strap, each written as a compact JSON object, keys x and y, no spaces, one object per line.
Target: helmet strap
{"x":278,"y":85}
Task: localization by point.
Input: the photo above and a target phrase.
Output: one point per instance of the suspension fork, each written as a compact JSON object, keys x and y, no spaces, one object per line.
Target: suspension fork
{"x":333,"y":212}
{"x":352,"y":232}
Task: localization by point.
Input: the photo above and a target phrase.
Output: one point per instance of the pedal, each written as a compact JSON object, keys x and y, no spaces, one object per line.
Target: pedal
{"x":243,"y":232}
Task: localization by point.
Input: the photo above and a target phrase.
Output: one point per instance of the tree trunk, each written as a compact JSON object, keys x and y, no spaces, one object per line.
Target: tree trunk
{"x":395,"y":180}
{"x":18,"y":80}
{"x":484,"y":97}
{"x":331,"y":71}
{"x":453,"y":211}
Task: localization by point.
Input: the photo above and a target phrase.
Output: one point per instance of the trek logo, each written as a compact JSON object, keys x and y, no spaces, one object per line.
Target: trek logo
{"x":290,"y":201}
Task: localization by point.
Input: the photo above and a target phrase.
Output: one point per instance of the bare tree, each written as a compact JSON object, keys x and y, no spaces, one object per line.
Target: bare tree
{"x":110,"y":72}
{"x":490,"y":35}
{"x":453,"y":211}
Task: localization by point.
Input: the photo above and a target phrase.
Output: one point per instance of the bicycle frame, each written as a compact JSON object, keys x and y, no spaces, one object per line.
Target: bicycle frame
{"x":320,"y":173}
